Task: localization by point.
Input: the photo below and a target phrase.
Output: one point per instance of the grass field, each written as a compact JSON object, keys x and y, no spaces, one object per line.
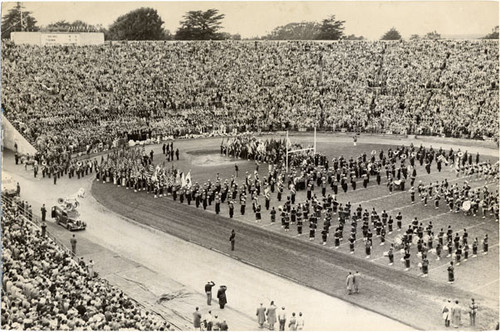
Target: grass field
{"x":478,"y":276}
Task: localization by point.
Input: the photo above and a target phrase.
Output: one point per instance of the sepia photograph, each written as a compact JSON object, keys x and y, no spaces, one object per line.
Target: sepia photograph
{"x":250,"y":165}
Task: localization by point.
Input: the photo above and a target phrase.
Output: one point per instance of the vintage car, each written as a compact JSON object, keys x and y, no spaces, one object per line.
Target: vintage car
{"x":69,"y":219}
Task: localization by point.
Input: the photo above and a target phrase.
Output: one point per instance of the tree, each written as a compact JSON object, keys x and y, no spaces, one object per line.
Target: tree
{"x":140,"y":24}
{"x":331,"y":29}
{"x":353,"y":37}
{"x":295,"y":31}
{"x":201,"y":25}
{"x":18,"y":19}
{"x":63,"y":26}
{"x":432,"y":35}
{"x":493,"y":34}
{"x":392,"y":34}
{"x":415,"y":37}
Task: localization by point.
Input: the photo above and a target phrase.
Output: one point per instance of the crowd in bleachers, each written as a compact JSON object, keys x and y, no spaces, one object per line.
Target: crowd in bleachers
{"x":45,"y":288}
{"x":83,"y":98}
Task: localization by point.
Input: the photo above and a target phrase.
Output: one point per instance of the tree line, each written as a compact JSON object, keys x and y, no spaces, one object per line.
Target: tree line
{"x":146,"y":24}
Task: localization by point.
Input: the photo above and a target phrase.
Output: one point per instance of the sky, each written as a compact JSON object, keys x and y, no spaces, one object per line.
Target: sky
{"x":370,"y":19}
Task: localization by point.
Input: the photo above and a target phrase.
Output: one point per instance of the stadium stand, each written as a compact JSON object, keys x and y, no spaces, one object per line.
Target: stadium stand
{"x":45,"y":288}
{"x":65,"y":97}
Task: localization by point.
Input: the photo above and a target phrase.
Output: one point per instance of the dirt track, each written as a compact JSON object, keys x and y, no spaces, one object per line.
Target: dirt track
{"x":409,"y":299}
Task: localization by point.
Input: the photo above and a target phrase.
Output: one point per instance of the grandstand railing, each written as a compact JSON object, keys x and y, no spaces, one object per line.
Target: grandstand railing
{"x":35,"y":221}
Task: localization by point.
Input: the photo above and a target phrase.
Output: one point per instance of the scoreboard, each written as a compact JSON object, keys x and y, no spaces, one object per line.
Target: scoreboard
{"x":57,"y":38}
{"x":60,"y":39}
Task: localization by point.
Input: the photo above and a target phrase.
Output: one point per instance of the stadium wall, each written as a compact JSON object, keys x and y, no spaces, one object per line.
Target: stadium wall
{"x":10,"y":136}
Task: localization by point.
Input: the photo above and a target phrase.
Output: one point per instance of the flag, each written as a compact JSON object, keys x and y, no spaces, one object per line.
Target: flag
{"x":183,"y":180}
{"x":188,"y":179}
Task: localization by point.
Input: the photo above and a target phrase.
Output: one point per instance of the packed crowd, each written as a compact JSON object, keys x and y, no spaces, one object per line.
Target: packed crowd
{"x":70,"y":99}
{"x":45,"y":288}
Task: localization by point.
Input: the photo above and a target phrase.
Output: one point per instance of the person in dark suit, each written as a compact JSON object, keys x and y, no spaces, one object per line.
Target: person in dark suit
{"x":232,"y":239}
{"x":221,"y":295}
{"x":44,"y":212}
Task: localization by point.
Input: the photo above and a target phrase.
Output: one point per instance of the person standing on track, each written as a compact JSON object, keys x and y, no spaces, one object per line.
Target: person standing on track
{"x":451,"y":273}
{"x":472,"y":313}
{"x":282,"y":318}
{"x":221,"y":295}
{"x":231,"y":209}
{"x":349,"y":283}
{"x":197,"y":319}
{"x":485,"y":245}
{"x":232,"y":239}
{"x":356,"y":281}
{"x":300,"y":322}
{"x":73,"y":242}
{"x":390,"y":254}
{"x":208,"y":291}
{"x":261,"y":315}
{"x":292,"y":325}
{"x":446,"y":312}
{"x":44,"y":212}
{"x":271,"y":315}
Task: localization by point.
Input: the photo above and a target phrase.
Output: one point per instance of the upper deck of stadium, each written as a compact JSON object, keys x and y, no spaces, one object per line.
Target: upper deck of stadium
{"x":72,"y":96}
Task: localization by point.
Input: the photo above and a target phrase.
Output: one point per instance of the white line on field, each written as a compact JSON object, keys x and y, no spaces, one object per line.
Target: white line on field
{"x":478,"y":288}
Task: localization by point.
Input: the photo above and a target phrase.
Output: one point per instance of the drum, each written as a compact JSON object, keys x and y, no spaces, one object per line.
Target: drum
{"x":466,"y":206}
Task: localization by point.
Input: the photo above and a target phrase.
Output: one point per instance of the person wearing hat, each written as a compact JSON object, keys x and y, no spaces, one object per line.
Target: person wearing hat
{"x":282,"y":318}
{"x":208,"y":291}
{"x":221,"y":295}
{"x":261,"y":315}
{"x":446,"y":312}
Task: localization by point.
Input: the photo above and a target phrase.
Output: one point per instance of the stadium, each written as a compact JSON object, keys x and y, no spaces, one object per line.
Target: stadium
{"x":249,"y":184}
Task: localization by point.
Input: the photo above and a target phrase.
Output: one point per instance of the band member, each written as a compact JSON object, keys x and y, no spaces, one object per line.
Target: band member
{"x":451,"y":273}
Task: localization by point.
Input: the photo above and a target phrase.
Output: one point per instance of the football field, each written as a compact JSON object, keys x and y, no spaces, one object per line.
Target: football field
{"x":323,"y":267}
